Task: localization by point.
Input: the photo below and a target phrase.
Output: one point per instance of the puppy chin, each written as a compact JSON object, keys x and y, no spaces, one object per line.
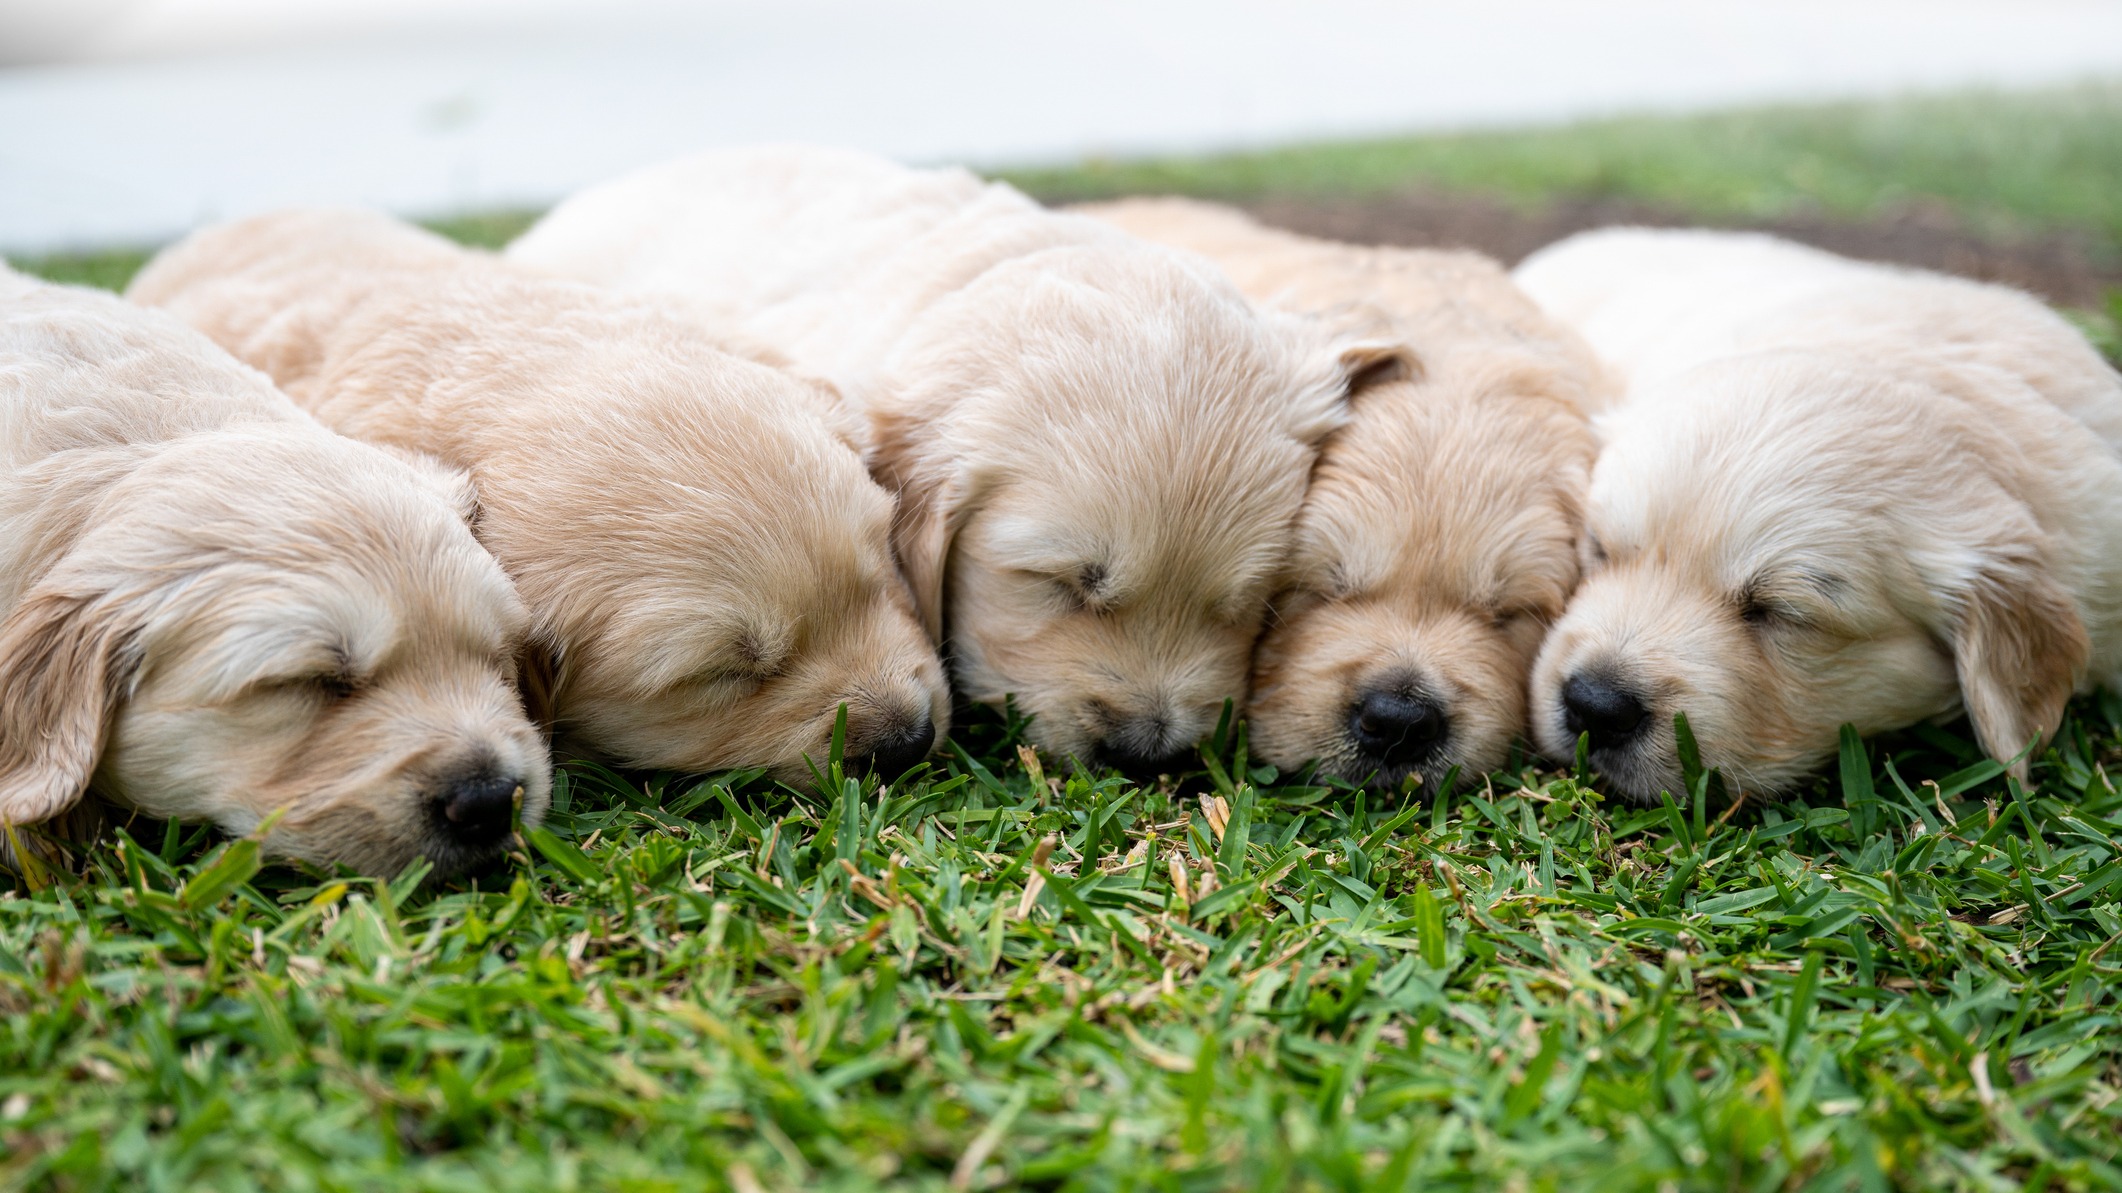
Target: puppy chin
{"x":1348,"y":764}
{"x":1301,"y":719}
{"x":363,"y":844}
{"x":1639,"y":774}
{"x":1054,"y":729}
{"x":383,"y":833}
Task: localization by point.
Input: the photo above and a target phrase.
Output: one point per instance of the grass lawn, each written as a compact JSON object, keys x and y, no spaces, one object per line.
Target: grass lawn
{"x":1002,"y":974}
{"x":996,"y":975}
{"x":2006,"y":162}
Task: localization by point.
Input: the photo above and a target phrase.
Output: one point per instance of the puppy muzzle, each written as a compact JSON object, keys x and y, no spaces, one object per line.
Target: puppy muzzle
{"x":1145,"y":747}
{"x":899,"y":749}
{"x":474,"y":810}
{"x":1604,"y":710}
{"x":1397,"y":730}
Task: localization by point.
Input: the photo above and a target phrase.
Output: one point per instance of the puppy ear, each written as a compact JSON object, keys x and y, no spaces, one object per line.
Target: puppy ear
{"x":1355,"y":363}
{"x":932,"y":506}
{"x":538,"y":678}
{"x":1370,"y":362}
{"x":2019,"y":650}
{"x":65,"y":661}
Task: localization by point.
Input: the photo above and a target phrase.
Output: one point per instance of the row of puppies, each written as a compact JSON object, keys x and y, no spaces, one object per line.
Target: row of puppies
{"x":702,"y":568}
{"x":1100,"y":457}
{"x":1825,"y":493}
{"x":217,"y":609}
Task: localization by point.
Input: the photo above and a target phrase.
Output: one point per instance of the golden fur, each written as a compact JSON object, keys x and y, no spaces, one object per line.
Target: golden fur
{"x":1099,"y":448}
{"x":215,"y":609}
{"x":1835,"y":493}
{"x":1439,"y":536}
{"x":708,"y":565}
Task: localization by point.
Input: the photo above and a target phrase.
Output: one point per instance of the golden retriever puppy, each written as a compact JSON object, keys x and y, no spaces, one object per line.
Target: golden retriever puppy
{"x":212,"y":608}
{"x":1834,"y":493}
{"x":1099,"y":447}
{"x":707,"y":564}
{"x":1439,"y":537}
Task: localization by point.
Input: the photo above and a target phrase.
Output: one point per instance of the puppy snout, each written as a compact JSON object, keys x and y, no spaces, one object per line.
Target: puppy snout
{"x":1398,"y":729}
{"x":1610,"y":714}
{"x":901,"y":749}
{"x":1141,"y":747}
{"x":475,"y":810}
{"x":1141,"y":763}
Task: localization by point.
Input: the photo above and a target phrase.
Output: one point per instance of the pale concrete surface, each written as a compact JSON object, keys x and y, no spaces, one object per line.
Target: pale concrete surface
{"x":162,"y":114}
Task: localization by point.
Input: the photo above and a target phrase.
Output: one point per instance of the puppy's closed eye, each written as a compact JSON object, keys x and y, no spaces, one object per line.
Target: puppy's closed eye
{"x":751,"y":660}
{"x":1504,"y":617}
{"x":334,"y":681}
{"x":1085,"y":588}
{"x":336,"y":685}
{"x":1788,"y":601}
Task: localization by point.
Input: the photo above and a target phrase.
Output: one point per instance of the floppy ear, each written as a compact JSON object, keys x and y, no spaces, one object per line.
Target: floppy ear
{"x":1370,"y":362}
{"x":932,"y":506}
{"x":1356,"y":364}
{"x":65,"y":661}
{"x":2019,"y":650}
{"x":538,"y":678}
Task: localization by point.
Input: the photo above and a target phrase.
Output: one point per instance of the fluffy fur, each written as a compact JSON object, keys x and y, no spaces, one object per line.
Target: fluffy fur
{"x":1439,"y":536}
{"x":1835,"y":493}
{"x":215,"y":609}
{"x":1099,"y":448}
{"x":708,"y":565}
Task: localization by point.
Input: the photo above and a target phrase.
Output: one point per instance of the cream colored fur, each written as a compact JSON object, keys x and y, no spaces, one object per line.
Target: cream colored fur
{"x":215,"y":609}
{"x":1836,"y":492}
{"x":1439,"y":536}
{"x":706,"y":560}
{"x":1099,"y":448}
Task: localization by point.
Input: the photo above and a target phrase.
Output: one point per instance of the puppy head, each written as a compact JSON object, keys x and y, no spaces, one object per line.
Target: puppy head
{"x":254,"y":623}
{"x":1780,"y":546}
{"x":1100,"y":452}
{"x":1437,"y":543}
{"x":720,"y":589}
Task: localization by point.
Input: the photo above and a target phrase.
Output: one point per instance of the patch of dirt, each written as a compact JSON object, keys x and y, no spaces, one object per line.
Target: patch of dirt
{"x":2072,"y":269}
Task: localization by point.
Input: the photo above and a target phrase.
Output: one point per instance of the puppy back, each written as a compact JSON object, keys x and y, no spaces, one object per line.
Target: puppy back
{"x":1459,"y":311}
{"x":823,"y":255}
{"x":277,"y":289}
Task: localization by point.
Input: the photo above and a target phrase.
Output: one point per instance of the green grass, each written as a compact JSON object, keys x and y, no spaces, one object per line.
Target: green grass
{"x":2005,"y":162}
{"x":112,"y":268}
{"x":989,"y":976}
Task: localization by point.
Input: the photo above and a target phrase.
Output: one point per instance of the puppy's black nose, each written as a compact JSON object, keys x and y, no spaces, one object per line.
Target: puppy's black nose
{"x":898,"y":753}
{"x":1395,"y":729}
{"x":476,"y":811}
{"x":1612,"y":715}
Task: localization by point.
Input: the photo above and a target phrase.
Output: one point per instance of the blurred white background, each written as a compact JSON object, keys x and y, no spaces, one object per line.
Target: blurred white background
{"x":131,"y":120}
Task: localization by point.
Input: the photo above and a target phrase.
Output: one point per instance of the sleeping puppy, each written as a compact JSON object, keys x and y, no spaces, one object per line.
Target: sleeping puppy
{"x":1439,"y":537}
{"x":707,"y":564}
{"x":215,"y":609}
{"x":1099,"y":448}
{"x":1835,"y":493}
